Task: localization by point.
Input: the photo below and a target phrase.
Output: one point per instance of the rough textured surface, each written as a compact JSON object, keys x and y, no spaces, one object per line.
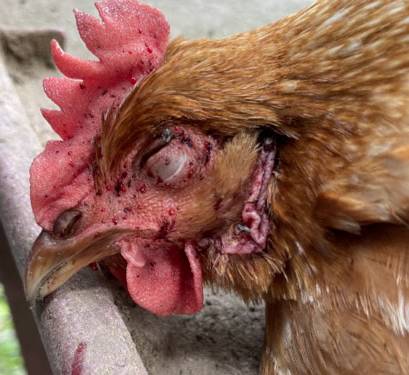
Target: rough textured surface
{"x":91,"y":317}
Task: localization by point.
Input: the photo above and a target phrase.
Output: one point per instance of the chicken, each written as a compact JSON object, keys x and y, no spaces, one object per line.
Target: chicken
{"x":273,"y":164}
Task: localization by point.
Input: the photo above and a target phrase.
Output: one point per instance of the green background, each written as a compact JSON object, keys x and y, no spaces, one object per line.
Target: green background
{"x":11,"y":362}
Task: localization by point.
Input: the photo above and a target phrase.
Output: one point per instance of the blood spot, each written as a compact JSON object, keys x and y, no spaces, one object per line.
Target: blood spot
{"x":218,"y":204}
{"x":142,"y":189}
{"x":208,"y":148}
{"x":78,"y":360}
{"x":187,"y":141}
{"x":93,"y":266}
{"x":165,"y":228}
{"x":118,"y":188}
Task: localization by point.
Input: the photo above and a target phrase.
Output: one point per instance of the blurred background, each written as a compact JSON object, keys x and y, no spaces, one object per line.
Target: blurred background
{"x":10,"y":356}
{"x":190,"y":18}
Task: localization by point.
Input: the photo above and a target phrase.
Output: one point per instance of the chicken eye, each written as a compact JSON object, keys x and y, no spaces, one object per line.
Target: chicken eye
{"x":175,"y":159}
{"x":166,"y":167}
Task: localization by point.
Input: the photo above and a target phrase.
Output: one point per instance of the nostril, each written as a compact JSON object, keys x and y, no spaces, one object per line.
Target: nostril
{"x":67,"y":223}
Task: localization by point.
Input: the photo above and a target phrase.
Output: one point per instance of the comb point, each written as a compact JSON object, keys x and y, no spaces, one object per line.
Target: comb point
{"x":61,"y":90}
{"x":73,"y":67}
{"x":91,"y":30}
{"x":58,"y":121}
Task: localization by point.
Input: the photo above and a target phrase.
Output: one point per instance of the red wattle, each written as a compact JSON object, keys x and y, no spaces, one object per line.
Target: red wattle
{"x":169,"y":283}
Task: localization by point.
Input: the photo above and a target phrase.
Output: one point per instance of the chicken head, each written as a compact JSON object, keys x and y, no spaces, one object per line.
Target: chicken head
{"x":176,"y":191}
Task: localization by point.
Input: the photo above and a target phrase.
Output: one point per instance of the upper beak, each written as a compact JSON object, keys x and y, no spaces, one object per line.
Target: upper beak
{"x":53,"y":261}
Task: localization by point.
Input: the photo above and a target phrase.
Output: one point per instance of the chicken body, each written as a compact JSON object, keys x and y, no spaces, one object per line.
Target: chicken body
{"x":330,"y":86}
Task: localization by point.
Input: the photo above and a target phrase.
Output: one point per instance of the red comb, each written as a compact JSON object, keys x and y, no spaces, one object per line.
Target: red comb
{"x":130,"y":43}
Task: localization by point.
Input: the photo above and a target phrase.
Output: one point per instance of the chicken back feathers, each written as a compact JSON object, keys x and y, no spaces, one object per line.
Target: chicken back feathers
{"x":329,"y":85}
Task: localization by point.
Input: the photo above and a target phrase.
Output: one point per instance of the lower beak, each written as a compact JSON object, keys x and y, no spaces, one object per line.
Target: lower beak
{"x":53,"y":261}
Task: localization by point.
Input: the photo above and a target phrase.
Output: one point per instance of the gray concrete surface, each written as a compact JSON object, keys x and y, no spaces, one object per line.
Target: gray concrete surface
{"x":91,"y":318}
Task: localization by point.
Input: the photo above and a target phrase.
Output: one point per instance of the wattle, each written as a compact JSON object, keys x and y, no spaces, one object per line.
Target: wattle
{"x":170,"y":280}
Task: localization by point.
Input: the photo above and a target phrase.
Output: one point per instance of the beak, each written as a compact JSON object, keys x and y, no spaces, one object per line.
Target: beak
{"x":53,"y":261}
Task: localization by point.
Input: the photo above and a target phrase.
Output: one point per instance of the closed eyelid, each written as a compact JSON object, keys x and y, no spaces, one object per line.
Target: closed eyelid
{"x":155,"y":146}
{"x":167,"y":169}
